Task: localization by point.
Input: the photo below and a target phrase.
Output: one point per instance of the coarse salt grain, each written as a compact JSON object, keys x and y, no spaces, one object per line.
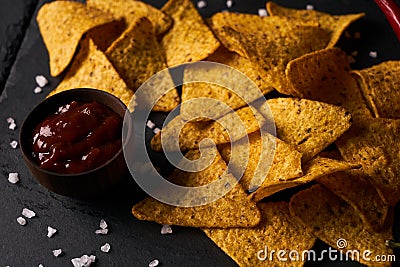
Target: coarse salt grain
{"x":156,"y":130}
{"x":83,"y":261}
{"x":13,"y":177}
{"x":40,"y":265}
{"x":201,"y":4}
{"x":10,"y":120}
{"x":28,"y":213}
{"x":103,"y":224}
{"x":154,"y":263}
{"x":51,"y":231}
{"x":373,"y":54}
{"x":37,"y":90}
{"x":57,"y":252}
{"x":309,"y":7}
{"x":12,"y":126}
{"x":14,"y":144}
{"x":166,"y":229}
{"x":229,"y":3}
{"x":41,"y":80}
{"x":105,"y":248}
{"x":101,"y":232}
{"x":150,"y":124}
{"x":21,"y":221}
{"x":262,"y":12}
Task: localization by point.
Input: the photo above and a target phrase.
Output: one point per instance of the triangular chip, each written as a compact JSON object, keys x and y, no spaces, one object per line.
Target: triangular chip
{"x":314,"y":169}
{"x":380,"y":85}
{"x":137,"y":56}
{"x":91,"y":69}
{"x":374,"y":143}
{"x":334,"y":24}
{"x":189,"y":39}
{"x":309,"y":126}
{"x":62,"y":24}
{"x":269,"y":42}
{"x":276,"y":231}
{"x":131,"y":10}
{"x":232,"y":210}
{"x":190,"y":134}
{"x":366,"y":200}
{"x":335,"y":222}
{"x":325,"y":76}
{"x":286,"y":163}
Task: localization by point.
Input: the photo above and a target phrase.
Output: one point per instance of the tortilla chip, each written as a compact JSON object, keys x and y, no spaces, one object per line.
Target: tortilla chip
{"x":314,"y":169}
{"x":380,"y":85}
{"x":331,"y":154}
{"x":330,"y":218}
{"x":286,"y":163}
{"x":325,"y":76}
{"x":268,"y":42}
{"x":62,"y":24}
{"x":103,"y":36}
{"x":232,"y":210}
{"x":91,"y":69}
{"x":309,"y":126}
{"x":137,"y":56}
{"x":130,"y":11}
{"x":192,"y":133}
{"x":374,"y":143}
{"x":189,"y":39}
{"x":276,"y":231}
{"x":366,"y":200}
{"x":334,"y":24}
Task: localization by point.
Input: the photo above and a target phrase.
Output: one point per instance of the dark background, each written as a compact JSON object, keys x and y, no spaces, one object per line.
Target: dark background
{"x":133,"y":242}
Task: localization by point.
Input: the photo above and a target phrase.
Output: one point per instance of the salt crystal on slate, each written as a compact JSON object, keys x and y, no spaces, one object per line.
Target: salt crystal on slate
{"x":14,"y":144}
{"x":12,"y":126}
{"x":103,"y":224}
{"x":156,"y":130}
{"x":101,"y":232}
{"x":51,"y":231}
{"x":373,"y":54}
{"x":37,"y":90}
{"x":21,"y":221}
{"x":41,"y":80}
{"x":83,"y":261}
{"x":154,"y":263}
{"x":40,"y":265}
{"x":310,"y":7}
{"x":166,"y":229}
{"x":105,"y":248}
{"x":201,"y":4}
{"x":57,"y":252}
{"x":13,"y":177}
{"x":10,"y":120}
{"x":262,"y":12}
{"x":28,"y":213}
{"x":150,"y":124}
{"x":229,"y":3}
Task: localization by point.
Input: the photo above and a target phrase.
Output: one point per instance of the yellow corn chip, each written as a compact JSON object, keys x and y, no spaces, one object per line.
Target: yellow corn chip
{"x":335,"y":222}
{"x":91,"y":69}
{"x":355,"y":189}
{"x":314,"y":169}
{"x":325,"y":76}
{"x":137,"y":56}
{"x":335,"y":25}
{"x":232,"y":210}
{"x":62,"y":24}
{"x":131,"y":10}
{"x":268,"y":42}
{"x":276,"y":231}
{"x":189,"y":39}
{"x":309,"y":126}
{"x":103,"y":36}
{"x":380,"y":85}
{"x":374,"y":143}
{"x":192,"y":133}
{"x":286,"y":163}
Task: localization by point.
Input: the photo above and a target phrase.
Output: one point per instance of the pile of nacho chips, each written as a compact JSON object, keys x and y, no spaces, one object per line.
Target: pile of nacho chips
{"x":336,"y":143}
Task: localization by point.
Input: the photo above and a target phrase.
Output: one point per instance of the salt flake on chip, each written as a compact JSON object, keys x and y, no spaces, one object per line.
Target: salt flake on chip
{"x":28,"y":213}
{"x":41,"y":80}
{"x":156,"y":130}
{"x":103,"y":224}
{"x":57,"y":252}
{"x":201,"y":4}
{"x":21,"y":220}
{"x":37,"y":90}
{"x":51,"y":231}
{"x":105,"y":248}
{"x":262,"y":12}
{"x":14,"y":144}
{"x":13,"y":177}
{"x":166,"y":229}
{"x":154,"y":263}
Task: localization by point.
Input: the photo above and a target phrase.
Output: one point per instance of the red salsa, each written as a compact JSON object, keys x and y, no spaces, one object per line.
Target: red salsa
{"x":77,"y":138}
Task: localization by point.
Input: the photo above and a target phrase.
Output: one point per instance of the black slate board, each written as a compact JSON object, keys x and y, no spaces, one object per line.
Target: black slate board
{"x":134,"y":243}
